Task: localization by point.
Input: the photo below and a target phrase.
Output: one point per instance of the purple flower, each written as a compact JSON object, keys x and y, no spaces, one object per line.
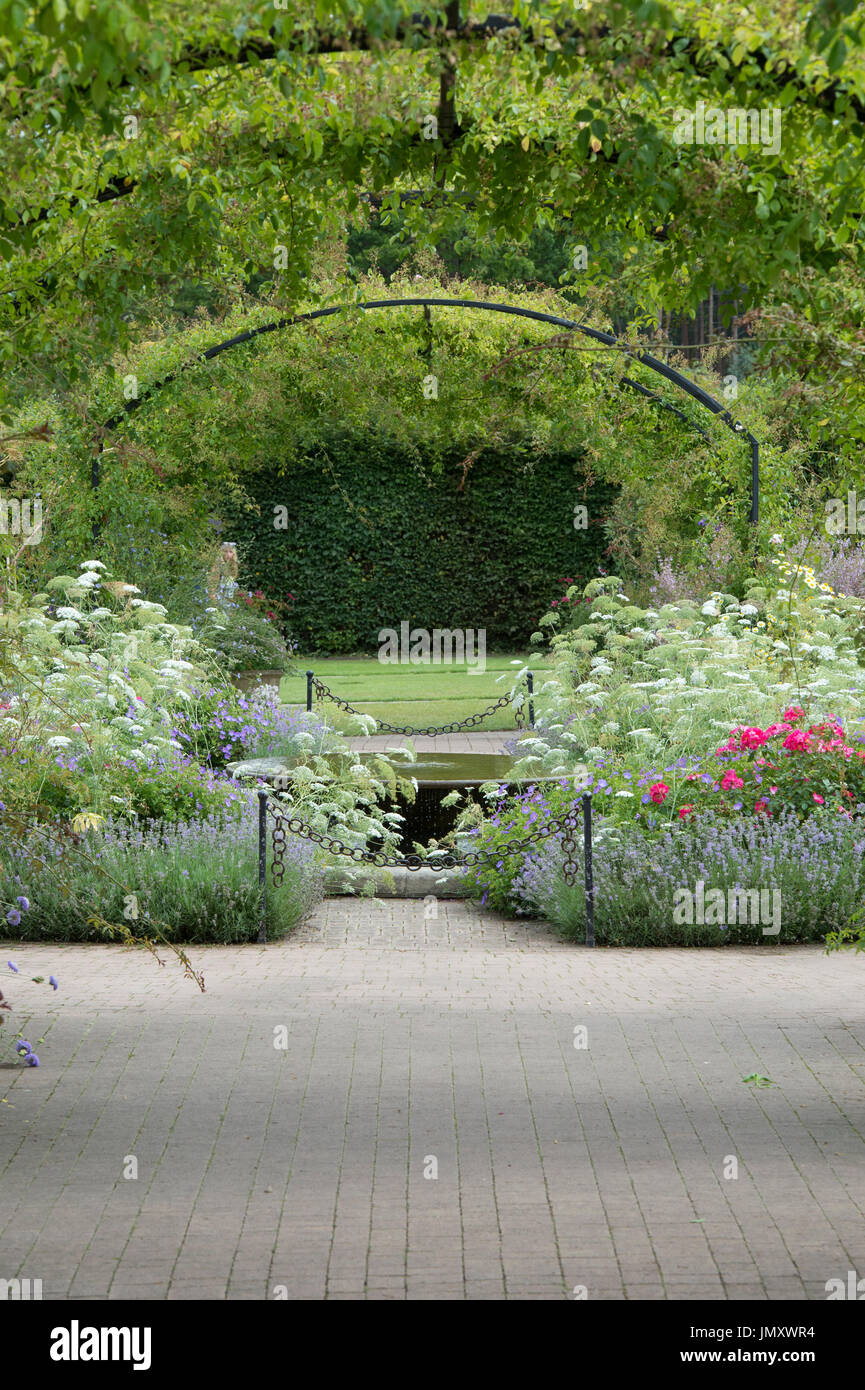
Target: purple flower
{"x":13,"y":917}
{"x":13,"y":968}
{"x":23,"y":1048}
{"x":23,"y":903}
{"x":52,"y":980}
{"x":32,"y":1060}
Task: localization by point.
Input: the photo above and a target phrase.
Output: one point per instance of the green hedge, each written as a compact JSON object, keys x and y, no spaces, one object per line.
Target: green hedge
{"x":374,"y":539}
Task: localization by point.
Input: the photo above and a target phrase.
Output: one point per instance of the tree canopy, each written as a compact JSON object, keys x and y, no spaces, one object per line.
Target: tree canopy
{"x":147,"y":144}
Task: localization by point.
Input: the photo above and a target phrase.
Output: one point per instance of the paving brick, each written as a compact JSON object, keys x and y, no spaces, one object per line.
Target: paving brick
{"x":449,"y":1038}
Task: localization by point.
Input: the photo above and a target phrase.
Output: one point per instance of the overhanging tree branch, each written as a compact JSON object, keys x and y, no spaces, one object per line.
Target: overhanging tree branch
{"x":420,"y":32}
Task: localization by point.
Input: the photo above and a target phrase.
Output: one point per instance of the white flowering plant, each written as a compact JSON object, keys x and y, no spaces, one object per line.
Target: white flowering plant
{"x":642,"y":684}
{"x":94,"y":647}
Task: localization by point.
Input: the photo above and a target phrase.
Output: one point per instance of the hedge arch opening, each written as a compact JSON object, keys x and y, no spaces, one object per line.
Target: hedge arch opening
{"x":678,"y":379}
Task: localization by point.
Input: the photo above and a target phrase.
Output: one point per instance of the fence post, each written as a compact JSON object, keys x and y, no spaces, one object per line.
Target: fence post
{"x":530,"y":682}
{"x":262,"y":866}
{"x":589,"y":880}
{"x":309,"y":676}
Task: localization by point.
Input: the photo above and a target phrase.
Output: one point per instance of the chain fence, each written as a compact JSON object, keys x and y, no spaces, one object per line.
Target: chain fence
{"x":284,"y":824}
{"x":314,"y":686}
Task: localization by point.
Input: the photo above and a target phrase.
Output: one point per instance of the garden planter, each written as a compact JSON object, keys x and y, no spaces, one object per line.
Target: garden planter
{"x":251,"y":680}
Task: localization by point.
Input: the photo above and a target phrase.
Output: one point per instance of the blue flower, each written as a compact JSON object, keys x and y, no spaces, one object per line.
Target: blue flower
{"x":13,"y":917}
{"x":32,"y":1059}
{"x":23,"y":903}
{"x":13,"y":968}
{"x":52,"y":980}
{"x":23,"y":1048}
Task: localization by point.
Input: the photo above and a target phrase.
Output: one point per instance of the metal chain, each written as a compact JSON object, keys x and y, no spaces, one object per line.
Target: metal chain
{"x":277,"y":868}
{"x":413,"y":862}
{"x":473,"y":719}
{"x":442,"y":859}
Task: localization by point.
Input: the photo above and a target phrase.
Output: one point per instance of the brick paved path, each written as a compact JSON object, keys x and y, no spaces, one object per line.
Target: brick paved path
{"x":418,"y":1043}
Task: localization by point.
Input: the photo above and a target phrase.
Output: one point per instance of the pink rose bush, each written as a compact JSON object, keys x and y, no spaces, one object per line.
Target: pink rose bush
{"x":762,"y":773}
{"x":785,"y":767}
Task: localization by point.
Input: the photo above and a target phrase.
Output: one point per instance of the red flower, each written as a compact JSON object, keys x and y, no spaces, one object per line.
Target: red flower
{"x":797,"y":742}
{"x":752,"y":738}
{"x":658,"y":791}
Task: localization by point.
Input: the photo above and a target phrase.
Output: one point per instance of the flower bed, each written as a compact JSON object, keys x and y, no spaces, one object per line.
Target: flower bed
{"x":777,"y":810}
{"x":116,"y":728}
{"x":816,"y":867}
{"x":197,"y":878}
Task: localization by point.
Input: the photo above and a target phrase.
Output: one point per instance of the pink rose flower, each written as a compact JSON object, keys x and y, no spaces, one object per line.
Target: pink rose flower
{"x":752,"y":738}
{"x":794,"y":712}
{"x":685,"y":811}
{"x":658,"y":791}
{"x":762,"y":808}
{"x":731,"y":781}
{"x":797,"y":741}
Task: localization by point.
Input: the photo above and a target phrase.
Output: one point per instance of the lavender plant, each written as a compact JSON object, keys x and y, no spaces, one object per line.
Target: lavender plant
{"x":197,"y":878}
{"x":817,"y":866}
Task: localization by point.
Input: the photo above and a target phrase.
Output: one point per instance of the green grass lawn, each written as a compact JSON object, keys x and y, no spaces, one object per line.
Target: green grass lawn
{"x":415,"y":695}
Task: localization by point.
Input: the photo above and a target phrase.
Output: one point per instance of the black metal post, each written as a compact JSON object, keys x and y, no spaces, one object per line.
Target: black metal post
{"x":309,"y":676}
{"x":589,"y":880}
{"x":94,"y":484}
{"x":530,"y":682}
{"x":262,"y":866}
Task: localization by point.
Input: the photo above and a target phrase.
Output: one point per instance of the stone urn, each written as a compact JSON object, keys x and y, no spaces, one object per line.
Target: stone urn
{"x":252,"y":680}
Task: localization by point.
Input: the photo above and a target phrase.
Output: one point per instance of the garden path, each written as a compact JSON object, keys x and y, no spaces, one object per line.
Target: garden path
{"x":431,"y":1130}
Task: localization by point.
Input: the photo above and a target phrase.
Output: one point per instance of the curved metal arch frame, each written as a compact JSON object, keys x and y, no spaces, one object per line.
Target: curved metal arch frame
{"x":608,"y":339}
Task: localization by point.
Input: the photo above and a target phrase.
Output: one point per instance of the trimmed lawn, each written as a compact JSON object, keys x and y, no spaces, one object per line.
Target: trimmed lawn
{"x":415,"y":695}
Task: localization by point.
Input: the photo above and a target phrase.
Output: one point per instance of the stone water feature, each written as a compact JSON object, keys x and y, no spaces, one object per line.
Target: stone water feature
{"x":436,"y":775}
{"x":426,"y":819}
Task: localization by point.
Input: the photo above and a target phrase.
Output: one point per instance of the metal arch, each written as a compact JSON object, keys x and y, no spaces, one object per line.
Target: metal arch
{"x":608,"y":339}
